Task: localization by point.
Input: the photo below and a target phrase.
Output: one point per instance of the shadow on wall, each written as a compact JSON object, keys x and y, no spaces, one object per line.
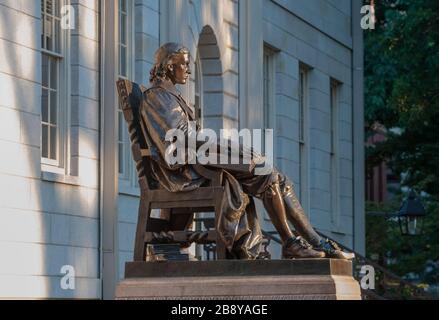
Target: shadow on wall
{"x":43,"y":225}
{"x":23,"y":228}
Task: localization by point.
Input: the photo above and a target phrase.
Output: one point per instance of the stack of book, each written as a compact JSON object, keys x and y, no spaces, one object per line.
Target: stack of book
{"x":168,"y":252}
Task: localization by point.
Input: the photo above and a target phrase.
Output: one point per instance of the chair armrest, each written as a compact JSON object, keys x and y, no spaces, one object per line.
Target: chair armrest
{"x":239,"y":167}
{"x":243,"y":168}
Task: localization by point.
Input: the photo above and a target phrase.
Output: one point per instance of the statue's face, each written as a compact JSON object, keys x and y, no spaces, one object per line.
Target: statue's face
{"x":179,"y":70}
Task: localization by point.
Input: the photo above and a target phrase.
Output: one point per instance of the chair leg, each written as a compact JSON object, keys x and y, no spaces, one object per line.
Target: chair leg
{"x":220,"y":247}
{"x":142,"y":220}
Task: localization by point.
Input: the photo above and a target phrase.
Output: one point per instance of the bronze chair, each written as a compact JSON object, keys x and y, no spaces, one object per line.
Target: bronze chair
{"x":203,"y":199}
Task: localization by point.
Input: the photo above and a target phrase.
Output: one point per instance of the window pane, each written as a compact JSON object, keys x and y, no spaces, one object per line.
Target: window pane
{"x":301,"y":105}
{"x":121,"y":162}
{"x":120,"y":61}
{"x":43,"y":44}
{"x":48,"y":44}
{"x":123,"y":5}
{"x":53,"y":73}
{"x":48,"y":25}
{"x":332,"y":119}
{"x":123,"y":62}
{"x":267,"y":92}
{"x":123,"y":29}
{"x":44,"y":106}
{"x":44,"y":141}
{"x":49,"y":6}
{"x":57,"y":36}
{"x":56,"y":11}
{"x":45,"y":70}
{"x":334,"y":106}
{"x":53,"y":107}
{"x":120,"y":125}
{"x":197,"y":103}
{"x":53,"y":142}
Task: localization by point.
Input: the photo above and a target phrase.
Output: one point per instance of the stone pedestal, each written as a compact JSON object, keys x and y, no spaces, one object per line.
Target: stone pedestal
{"x":238,"y":279}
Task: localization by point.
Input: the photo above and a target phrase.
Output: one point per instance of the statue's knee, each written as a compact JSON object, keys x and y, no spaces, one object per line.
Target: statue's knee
{"x":271,"y":190}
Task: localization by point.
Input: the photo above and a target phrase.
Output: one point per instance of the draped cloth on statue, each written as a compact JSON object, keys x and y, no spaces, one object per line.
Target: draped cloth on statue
{"x":164,"y":109}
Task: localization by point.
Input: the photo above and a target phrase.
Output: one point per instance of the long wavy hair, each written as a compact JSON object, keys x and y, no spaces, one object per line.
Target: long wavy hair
{"x":162,"y":58}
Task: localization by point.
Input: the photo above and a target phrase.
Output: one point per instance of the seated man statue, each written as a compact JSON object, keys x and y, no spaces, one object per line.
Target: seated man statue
{"x":164,"y":109}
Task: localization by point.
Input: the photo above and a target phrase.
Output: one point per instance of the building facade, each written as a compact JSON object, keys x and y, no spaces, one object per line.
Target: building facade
{"x":68,"y":190}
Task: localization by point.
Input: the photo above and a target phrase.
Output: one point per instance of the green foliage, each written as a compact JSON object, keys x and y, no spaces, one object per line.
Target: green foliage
{"x":380,"y":231}
{"x":402,"y":89}
{"x":402,"y":93}
{"x":411,"y":257}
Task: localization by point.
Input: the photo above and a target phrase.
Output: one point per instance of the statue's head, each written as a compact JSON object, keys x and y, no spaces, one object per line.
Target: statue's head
{"x":171,"y":62}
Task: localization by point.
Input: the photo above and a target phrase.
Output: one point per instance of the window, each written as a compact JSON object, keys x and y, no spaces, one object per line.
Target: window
{"x":53,"y":95}
{"x":303,"y":137}
{"x":269,"y":114}
{"x":124,"y":16}
{"x":334,"y":94}
{"x":125,"y":70}
{"x":268,"y":104}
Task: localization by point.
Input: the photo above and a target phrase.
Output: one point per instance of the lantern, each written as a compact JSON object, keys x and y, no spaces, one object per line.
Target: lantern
{"x":411,"y":215}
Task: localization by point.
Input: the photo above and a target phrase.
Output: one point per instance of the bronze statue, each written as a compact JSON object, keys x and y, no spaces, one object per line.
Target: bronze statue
{"x":164,"y":109}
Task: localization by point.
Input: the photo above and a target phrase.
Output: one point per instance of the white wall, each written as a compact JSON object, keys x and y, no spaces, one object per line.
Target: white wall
{"x":47,"y":220}
{"x":324,"y":44}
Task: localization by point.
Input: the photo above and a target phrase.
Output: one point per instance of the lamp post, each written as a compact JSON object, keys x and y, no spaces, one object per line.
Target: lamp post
{"x":411,"y":216}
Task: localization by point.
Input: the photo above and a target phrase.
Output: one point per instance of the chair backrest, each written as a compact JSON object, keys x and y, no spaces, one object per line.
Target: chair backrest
{"x":130,"y":100}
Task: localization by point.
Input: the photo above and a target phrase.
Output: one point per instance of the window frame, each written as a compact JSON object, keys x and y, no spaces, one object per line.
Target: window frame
{"x":128,"y":183}
{"x":303,"y":136}
{"x":335,"y":87}
{"x":269,"y":91}
{"x":268,"y":100}
{"x":60,"y":165}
